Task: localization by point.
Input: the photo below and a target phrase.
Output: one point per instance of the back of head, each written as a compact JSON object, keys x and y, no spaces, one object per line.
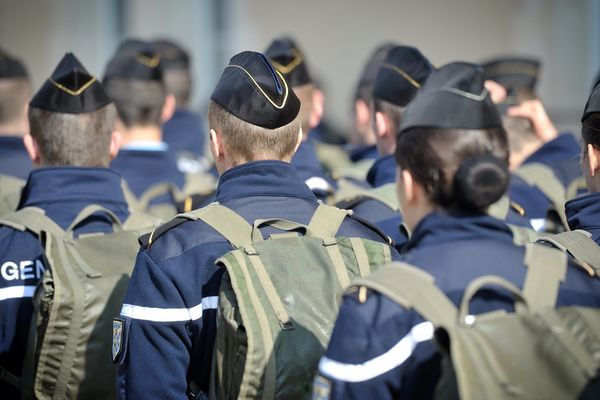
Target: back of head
{"x":176,"y":70}
{"x":15,"y":90}
{"x":364,"y":88}
{"x":452,"y":141}
{"x":255,"y":110}
{"x":518,"y":75}
{"x":134,"y":81}
{"x":71,"y":118}
{"x":400,"y":76}
{"x":590,"y":121}
{"x":289,"y":60}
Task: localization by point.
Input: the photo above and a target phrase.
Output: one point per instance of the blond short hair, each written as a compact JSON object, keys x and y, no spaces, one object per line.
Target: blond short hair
{"x":247,"y":142}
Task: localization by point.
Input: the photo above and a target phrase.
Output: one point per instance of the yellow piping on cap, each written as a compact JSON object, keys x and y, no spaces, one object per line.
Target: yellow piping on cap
{"x":286,"y":69}
{"x":403,"y":73}
{"x":279,"y":107}
{"x":70,"y":91}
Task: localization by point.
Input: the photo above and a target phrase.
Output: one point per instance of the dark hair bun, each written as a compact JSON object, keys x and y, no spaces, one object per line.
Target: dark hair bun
{"x":480,"y":181}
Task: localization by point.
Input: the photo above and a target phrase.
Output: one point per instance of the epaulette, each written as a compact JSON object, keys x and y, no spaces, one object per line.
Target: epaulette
{"x":149,"y":238}
{"x":375,"y":229}
{"x":517,"y":208}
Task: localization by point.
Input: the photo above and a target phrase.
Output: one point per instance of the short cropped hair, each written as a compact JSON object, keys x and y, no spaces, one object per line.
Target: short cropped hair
{"x":393,"y":111}
{"x":247,"y":142}
{"x":138,"y":102}
{"x":14,"y":95}
{"x":179,"y":84}
{"x":305,"y":94}
{"x":76,"y":140}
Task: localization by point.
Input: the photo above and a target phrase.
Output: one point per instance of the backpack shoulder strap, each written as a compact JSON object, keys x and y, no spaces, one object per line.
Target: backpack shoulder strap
{"x":140,"y":221}
{"x":412,"y":288}
{"x":499,"y":209}
{"x":32,"y":219}
{"x":538,"y":174}
{"x":155,"y":191}
{"x":523,"y":235}
{"x":546,"y":269}
{"x":224,"y":220}
{"x":580,"y":245}
{"x":198,"y":183}
{"x":326,"y":220}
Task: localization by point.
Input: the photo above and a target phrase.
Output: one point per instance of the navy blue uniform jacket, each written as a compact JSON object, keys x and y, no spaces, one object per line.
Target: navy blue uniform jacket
{"x":143,"y":168}
{"x":14,"y":160}
{"x":62,"y":193}
{"x":380,"y":350}
{"x":170,"y":306}
{"x":583,"y":212}
{"x":184,"y":133}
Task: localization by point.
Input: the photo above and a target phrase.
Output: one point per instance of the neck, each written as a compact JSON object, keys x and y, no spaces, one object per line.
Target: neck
{"x":386,"y":145}
{"x":142,"y":133}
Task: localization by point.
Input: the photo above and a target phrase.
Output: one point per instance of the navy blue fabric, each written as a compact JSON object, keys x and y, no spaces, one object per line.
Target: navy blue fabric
{"x":144,"y":168}
{"x":62,"y":193}
{"x":14,"y":159}
{"x":455,"y":250}
{"x":583,"y":212}
{"x":359,"y":153}
{"x":562,"y":156}
{"x":382,"y":171}
{"x":534,"y":202}
{"x":307,"y":164}
{"x":177,"y":272}
{"x":184,"y":133}
{"x":382,"y":217}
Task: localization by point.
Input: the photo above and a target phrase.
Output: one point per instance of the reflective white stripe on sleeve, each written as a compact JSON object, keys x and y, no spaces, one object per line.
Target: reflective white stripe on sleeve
{"x":169,"y":314}
{"x":16,"y":292}
{"x":317,"y":183}
{"x":379,"y":365}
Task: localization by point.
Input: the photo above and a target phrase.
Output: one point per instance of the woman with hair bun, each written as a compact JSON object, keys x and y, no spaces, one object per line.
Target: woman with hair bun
{"x":452,"y":157}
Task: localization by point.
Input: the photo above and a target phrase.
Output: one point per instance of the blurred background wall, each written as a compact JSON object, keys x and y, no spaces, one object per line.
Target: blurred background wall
{"x":336,"y":35}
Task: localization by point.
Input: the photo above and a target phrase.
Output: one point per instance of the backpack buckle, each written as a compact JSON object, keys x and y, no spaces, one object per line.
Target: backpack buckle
{"x":287,"y":325}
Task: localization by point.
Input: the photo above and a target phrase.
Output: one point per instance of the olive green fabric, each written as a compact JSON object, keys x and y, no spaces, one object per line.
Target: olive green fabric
{"x":349,"y":195}
{"x":279,"y":299}
{"x":195,"y":184}
{"x":545,"y":180}
{"x":10,"y":193}
{"x":536,"y":352}
{"x":69,"y":345}
{"x":580,"y":245}
{"x":357,"y":170}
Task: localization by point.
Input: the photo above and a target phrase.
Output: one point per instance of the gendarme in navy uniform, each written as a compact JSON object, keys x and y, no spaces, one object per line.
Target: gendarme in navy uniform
{"x":289,"y":60}
{"x":15,"y":91}
{"x":380,"y":350}
{"x":170,"y":307}
{"x":71,"y":176}
{"x":134,"y":80}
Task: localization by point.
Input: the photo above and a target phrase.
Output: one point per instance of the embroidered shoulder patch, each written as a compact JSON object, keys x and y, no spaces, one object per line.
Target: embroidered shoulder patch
{"x":321,"y":388}
{"x":117,"y":341}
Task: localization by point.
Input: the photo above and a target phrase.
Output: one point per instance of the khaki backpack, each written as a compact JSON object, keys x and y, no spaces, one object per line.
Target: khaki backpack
{"x":537,"y":352}
{"x":580,"y":246}
{"x":10,"y":193}
{"x":279,"y":299}
{"x":82,"y":289}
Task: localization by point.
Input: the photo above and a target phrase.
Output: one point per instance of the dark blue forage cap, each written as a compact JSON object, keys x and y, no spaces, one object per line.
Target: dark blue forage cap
{"x":513,"y":73}
{"x":70,"y":90}
{"x":401,"y":75}
{"x":10,"y":67}
{"x":453,"y":97}
{"x":592,"y":106}
{"x":285,"y":55}
{"x":135,"y":59}
{"x":172,"y":55}
{"x":252,"y":90}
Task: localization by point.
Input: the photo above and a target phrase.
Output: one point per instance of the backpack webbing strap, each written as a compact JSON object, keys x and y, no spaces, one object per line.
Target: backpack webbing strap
{"x":263,"y":276}
{"x":265,"y":331}
{"x":326,"y":220}
{"x":362,"y":258}
{"x":335,"y":255}
{"x":138,"y":220}
{"x":580,"y":245}
{"x":499,"y":209}
{"x":574,"y":187}
{"x":92,"y":209}
{"x":155,"y":191}
{"x":412,"y":288}
{"x":540,"y":175}
{"x":522,"y":235}
{"x":546,"y":269}
{"x":10,"y":378}
{"x":224,"y":220}
{"x":198,"y":183}
{"x":33,"y":219}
